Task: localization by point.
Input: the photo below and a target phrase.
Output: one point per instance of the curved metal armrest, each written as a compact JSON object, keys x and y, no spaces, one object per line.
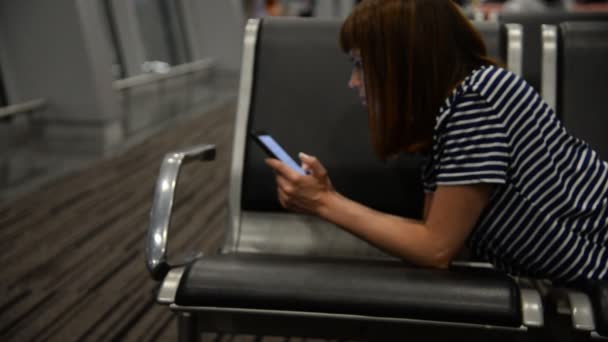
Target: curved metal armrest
{"x":160,"y":215}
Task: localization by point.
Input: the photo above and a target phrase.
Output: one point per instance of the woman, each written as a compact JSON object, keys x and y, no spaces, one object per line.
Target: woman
{"x":503,"y":173}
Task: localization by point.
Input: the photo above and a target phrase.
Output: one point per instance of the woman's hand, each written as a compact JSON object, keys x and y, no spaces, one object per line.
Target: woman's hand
{"x":302,"y":193}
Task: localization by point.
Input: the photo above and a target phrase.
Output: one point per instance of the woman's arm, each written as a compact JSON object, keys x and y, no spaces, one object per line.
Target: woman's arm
{"x":450,"y":214}
{"x":453,"y":212}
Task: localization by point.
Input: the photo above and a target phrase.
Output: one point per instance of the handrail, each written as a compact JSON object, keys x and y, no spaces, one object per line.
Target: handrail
{"x":25,"y":107}
{"x":160,"y":214}
{"x":179,"y":70}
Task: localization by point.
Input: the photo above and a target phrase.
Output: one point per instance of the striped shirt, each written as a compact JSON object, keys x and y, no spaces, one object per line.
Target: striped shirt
{"x":548,"y":214}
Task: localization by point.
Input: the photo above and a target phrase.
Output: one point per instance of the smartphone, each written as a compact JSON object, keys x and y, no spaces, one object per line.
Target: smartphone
{"x":274,"y":150}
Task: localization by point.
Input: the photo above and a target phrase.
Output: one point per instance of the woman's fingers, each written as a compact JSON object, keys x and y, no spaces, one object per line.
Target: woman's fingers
{"x":313,"y":164}
{"x":297,"y":192}
{"x":287,"y":201}
{"x":284,"y":185}
{"x":282,"y":197}
{"x":282,"y":169}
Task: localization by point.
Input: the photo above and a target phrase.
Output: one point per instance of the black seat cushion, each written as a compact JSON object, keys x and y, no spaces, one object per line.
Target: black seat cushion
{"x":372,"y":288}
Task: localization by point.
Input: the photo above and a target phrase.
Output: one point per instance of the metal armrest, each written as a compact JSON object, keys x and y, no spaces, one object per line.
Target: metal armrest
{"x":531,"y":304}
{"x":160,"y":215}
{"x":549,"y":66}
{"x":515,"y":43}
{"x":577,"y":305}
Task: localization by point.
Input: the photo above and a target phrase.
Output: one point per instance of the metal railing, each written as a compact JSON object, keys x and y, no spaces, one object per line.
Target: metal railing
{"x":7,"y":113}
{"x":201,"y":66}
{"x":158,"y":90}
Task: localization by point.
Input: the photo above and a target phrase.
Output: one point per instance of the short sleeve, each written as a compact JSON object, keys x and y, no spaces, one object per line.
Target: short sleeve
{"x":472,"y":146}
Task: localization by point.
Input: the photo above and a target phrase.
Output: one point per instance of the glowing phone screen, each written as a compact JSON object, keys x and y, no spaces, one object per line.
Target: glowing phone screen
{"x":280,"y":153}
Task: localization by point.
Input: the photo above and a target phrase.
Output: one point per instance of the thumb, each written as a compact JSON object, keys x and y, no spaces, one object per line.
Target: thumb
{"x":313,"y":164}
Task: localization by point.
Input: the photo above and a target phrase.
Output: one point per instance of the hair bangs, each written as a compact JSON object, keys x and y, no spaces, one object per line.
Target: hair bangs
{"x":348,"y":34}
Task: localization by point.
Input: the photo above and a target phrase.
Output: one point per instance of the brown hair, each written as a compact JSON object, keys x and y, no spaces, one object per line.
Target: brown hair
{"x":414,"y":53}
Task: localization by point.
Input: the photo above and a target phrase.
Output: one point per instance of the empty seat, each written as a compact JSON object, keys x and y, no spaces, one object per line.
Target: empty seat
{"x":575,"y":78}
{"x":532,"y":43}
{"x":575,"y":81}
{"x":583,"y":82}
{"x":282,"y":273}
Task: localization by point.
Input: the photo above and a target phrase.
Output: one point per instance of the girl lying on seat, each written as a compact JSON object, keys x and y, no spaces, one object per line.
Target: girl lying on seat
{"x":504,"y":176}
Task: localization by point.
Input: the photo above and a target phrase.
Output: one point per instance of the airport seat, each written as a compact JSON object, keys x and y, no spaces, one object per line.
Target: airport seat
{"x":532,"y":42}
{"x":495,"y":37}
{"x":285,"y":274}
{"x":575,"y":81}
{"x":575,"y":78}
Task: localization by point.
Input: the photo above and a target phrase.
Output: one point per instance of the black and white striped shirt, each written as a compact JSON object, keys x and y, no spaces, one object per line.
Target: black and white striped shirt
{"x":548,"y":215}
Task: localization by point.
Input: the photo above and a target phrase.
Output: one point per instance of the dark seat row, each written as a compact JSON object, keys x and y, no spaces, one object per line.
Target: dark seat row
{"x":531,"y":41}
{"x":575,"y":82}
{"x":575,"y":78}
{"x":282,"y":273}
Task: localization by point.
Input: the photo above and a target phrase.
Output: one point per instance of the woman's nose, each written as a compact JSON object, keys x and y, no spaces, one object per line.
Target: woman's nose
{"x":355,"y":80}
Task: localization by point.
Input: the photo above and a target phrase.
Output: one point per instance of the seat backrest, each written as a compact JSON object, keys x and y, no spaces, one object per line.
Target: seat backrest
{"x":494,"y":35}
{"x":532,"y":47}
{"x":295,"y":88}
{"x":583,"y":81}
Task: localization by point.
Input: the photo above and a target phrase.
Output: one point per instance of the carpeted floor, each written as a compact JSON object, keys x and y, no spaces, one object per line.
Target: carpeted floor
{"x":73,"y":251}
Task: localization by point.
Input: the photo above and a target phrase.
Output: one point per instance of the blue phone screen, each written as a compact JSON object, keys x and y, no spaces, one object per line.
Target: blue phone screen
{"x":280,"y":153}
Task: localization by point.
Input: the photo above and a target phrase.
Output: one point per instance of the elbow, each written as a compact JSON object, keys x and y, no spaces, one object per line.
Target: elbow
{"x":429,"y":258}
{"x":439,"y":264}
{"x":441,"y":260}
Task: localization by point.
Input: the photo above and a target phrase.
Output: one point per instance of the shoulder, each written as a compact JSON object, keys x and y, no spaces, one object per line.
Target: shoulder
{"x":493,"y":82}
{"x":478,"y":85}
{"x":489,"y":88}
{"x":469,"y":100}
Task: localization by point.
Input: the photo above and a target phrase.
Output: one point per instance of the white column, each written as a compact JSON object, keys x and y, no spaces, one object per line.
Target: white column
{"x":219,"y":27}
{"x":56,"y":50}
{"x":190,"y":26}
{"x":129,"y":36}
